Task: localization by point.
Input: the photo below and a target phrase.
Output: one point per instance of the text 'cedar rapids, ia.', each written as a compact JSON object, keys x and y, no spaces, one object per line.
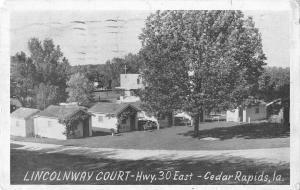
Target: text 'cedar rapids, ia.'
{"x":141,"y":176}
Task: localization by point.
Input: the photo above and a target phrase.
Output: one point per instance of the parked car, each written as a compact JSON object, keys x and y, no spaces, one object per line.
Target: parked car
{"x":144,"y":125}
{"x":181,"y":121}
{"x":216,"y":117}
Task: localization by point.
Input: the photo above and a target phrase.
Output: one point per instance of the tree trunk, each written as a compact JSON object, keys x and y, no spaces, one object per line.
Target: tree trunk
{"x":156,"y":116}
{"x":201,"y":115}
{"x":170,"y":119}
{"x":196,"y":121}
{"x":196,"y":124}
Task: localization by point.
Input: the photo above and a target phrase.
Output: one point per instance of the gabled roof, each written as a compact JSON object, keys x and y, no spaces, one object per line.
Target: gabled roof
{"x":62,"y":111}
{"x":111,"y":108}
{"x":279,"y":101}
{"x":24,"y":113}
{"x":274,"y":102}
{"x":137,"y":104}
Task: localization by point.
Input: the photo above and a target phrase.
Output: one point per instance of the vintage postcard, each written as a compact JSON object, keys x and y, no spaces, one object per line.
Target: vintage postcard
{"x":170,"y":93}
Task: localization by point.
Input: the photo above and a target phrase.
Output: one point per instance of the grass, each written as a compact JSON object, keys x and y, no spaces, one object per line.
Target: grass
{"x":246,"y":131}
{"x":23,"y":161}
{"x":228,"y":136}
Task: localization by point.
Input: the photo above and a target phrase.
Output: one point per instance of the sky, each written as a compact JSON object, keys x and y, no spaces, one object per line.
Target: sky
{"x":88,"y":37}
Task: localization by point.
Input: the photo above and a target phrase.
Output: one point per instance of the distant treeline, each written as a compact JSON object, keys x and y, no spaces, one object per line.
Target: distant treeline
{"x":274,"y":83}
{"x":40,"y":78}
{"x":108,"y":74}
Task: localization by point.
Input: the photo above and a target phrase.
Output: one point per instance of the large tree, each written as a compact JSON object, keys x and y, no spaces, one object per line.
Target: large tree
{"x":80,"y":89}
{"x":198,"y":61}
{"x":44,"y":67}
{"x":46,"y":95}
{"x":51,"y":66}
{"x":22,"y":78}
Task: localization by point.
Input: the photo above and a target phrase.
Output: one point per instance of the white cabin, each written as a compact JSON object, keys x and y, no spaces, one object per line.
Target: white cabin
{"x":21,"y":122}
{"x":249,"y":114}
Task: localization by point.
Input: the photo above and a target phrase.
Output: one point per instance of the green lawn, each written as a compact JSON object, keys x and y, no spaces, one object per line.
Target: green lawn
{"x":23,"y":161}
{"x":226,"y":136}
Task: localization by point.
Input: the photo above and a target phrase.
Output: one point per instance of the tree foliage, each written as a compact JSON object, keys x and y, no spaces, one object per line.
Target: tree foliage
{"x":45,"y":67}
{"x":200,"y":60}
{"x":51,"y":67}
{"x":274,"y":83}
{"x":108,"y":74}
{"x":80,"y":89}
{"x":46,"y":95}
{"x":71,"y":122}
{"x":22,"y":78}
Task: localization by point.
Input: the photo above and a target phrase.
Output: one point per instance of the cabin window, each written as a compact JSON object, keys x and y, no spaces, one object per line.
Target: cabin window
{"x":124,"y":121}
{"x":49,"y":123}
{"x":100,"y":119}
{"x":256,"y":110}
{"x":138,"y":81}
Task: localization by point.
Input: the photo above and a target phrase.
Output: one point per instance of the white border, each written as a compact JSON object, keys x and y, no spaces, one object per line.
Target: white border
{"x":275,"y":5}
{"x":147,"y":5}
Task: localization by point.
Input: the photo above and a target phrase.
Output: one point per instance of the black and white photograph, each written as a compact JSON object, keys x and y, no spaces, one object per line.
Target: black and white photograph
{"x":157,"y":96}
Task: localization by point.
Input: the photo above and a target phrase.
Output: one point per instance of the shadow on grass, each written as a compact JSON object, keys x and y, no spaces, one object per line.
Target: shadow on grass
{"x":101,"y":133}
{"x":23,"y":161}
{"x":246,"y":131}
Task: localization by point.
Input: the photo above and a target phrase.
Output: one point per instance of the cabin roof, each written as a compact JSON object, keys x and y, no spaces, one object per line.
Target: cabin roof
{"x":61,"y":111}
{"x":24,"y":112}
{"x":112,"y":108}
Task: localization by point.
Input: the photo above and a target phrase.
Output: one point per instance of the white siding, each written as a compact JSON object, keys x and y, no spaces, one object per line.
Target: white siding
{"x":130,"y":81}
{"x":42,"y":129}
{"x":107,"y":123}
{"x":90,"y":126}
{"x":251,"y":114}
{"x":232,"y":115}
{"x":18,"y":127}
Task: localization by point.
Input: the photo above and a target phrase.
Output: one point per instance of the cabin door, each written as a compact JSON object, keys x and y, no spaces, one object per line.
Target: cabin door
{"x":85,"y":127}
{"x":240,"y":114}
{"x":132,"y":122}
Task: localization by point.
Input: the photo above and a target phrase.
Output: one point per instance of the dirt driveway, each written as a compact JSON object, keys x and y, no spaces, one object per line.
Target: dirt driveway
{"x":272,"y":155}
{"x":27,"y":157}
